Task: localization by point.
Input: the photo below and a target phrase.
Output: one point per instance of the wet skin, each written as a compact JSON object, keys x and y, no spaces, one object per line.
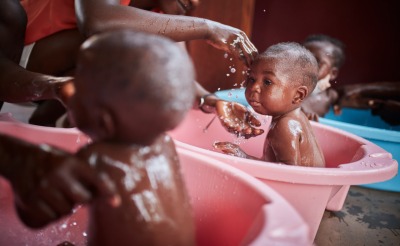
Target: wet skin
{"x":48,"y":182}
{"x":151,"y":188}
{"x":126,"y":111}
{"x":271,"y":90}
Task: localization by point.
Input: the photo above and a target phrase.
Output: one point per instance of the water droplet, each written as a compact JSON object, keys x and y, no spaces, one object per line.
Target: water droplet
{"x":233,"y":70}
{"x":227,"y":75}
{"x":226,"y":55}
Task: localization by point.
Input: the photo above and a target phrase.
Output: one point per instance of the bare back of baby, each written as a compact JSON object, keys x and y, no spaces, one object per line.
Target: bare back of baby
{"x":154,"y":207}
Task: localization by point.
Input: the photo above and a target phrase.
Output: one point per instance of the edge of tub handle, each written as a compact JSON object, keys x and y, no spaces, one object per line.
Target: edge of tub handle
{"x":367,"y":157}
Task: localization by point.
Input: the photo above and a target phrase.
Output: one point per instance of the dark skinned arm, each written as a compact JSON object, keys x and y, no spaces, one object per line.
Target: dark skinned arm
{"x":48,"y":182}
{"x":16,"y":83}
{"x":100,"y":15}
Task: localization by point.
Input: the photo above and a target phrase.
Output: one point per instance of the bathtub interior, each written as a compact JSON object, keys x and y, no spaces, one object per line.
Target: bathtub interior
{"x":230,"y":206}
{"x":330,"y":141}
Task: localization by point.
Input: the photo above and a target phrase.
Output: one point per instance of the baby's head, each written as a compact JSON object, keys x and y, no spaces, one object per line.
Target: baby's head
{"x":131,"y":87}
{"x":330,"y":56}
{"x":281,"y":78}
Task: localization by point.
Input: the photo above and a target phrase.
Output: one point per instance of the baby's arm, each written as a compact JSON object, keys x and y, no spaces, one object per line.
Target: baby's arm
{"x":233,"y":149}
{"x":284,"y":140}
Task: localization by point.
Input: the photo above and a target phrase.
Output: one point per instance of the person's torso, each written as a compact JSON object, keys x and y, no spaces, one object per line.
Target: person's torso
{"x":46,"y":17}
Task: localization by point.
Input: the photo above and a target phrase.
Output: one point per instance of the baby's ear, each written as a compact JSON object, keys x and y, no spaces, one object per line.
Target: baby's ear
{"x":301,"y":93}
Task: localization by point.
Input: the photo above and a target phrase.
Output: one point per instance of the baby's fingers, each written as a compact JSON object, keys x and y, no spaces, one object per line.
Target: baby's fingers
{"x":253,"y":121}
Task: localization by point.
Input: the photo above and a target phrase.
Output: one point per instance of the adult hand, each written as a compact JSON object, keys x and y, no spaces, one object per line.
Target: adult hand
{"x":48,"y":182}
{"x":351,"y":96}
{"x":63,"y":89}
{"x":237,"y":119}
{"x":230,"y":149}
{"x":388,"y":110}
{"x":232,"y":40}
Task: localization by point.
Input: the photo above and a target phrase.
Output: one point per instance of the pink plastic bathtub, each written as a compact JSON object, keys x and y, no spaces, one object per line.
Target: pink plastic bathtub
{"x":351,"y":160}
{"x":230,"y":206}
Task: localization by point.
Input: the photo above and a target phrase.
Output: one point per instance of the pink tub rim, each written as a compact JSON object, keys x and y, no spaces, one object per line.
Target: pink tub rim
{"x":271,"y":225}
{"x":363,"y":170}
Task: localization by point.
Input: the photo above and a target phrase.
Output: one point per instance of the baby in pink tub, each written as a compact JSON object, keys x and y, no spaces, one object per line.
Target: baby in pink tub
{"x":278,"y":82}
{"x":130,"y":88}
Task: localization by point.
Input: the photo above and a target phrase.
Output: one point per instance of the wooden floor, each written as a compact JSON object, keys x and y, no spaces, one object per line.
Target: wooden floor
{"x":368,"y":218}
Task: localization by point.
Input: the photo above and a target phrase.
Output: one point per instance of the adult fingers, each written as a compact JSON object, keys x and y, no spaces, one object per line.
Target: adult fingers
{"x":36,"y":213}
{"x":56,"y":200}
{"x":247,"y":51}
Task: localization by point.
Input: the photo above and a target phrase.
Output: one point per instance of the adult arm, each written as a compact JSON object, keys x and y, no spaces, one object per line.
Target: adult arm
{"x":16,"y":83}
{"x":20,"y":85}
{"x":359,"y":95}
{"x":48,"y":182}
{"x":100,"y":15}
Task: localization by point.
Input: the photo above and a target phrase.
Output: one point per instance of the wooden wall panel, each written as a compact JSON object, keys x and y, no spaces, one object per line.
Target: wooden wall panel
{"x":370,"y":31}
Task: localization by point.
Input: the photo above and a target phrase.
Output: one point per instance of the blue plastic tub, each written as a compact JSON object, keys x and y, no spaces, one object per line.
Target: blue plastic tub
{"x":359,"y":122}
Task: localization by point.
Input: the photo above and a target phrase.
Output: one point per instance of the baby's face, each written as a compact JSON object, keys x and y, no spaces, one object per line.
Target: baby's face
{"x":269,"y":87}
{"x":323,"y":52}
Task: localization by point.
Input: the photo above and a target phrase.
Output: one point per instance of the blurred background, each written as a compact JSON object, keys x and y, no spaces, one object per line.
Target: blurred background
{"x":369,"y":30}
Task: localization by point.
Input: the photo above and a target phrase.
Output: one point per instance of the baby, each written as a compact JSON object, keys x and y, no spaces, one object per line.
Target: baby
{"x":130,"y":89}
{"x":330,"y":56}
{"x":278,"y":82}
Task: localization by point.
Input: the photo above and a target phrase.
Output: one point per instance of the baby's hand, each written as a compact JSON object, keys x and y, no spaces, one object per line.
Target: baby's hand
{"x":237,"y":119}
{"x":230,"y":149}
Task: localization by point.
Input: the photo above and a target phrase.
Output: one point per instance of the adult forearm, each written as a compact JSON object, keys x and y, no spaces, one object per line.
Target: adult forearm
{"x":19,"y":85}
{"x":110,"y":16}
{"x":18,"y":157}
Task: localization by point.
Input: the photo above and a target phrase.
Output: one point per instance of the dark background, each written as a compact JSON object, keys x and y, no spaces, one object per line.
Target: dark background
{"x":370,"y":31}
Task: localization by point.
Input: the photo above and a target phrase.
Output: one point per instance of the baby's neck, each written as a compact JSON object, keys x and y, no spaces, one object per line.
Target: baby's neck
{"x":292,"y":113}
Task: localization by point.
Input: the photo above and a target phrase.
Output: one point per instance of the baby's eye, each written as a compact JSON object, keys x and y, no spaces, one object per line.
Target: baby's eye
{"x":249,"y":81}
{"x":267,"y":82}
